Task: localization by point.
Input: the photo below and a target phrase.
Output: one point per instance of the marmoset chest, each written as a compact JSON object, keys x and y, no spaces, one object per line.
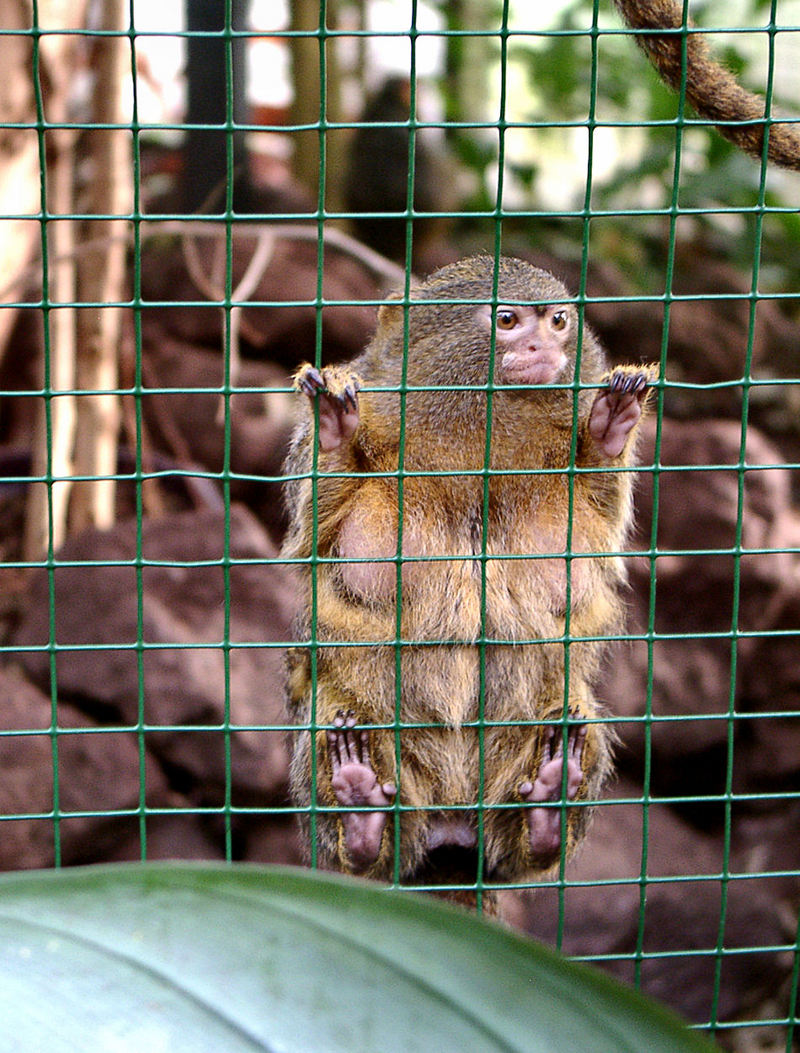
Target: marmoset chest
{"x":448,"y":555}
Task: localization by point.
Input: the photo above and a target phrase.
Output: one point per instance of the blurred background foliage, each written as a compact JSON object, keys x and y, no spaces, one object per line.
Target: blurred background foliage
{"x":581,"y":77}
{"x":560,"y":93}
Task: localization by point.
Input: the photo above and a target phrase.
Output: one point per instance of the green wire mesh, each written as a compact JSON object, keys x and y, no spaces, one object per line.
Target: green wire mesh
{"x":588,"y":29}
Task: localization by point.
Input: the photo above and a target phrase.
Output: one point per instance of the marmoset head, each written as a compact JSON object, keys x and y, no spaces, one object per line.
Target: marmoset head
{"x":451,"y":316}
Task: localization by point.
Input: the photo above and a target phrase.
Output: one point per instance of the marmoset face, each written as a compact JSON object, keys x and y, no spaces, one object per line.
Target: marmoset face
{"x":532,"y":341}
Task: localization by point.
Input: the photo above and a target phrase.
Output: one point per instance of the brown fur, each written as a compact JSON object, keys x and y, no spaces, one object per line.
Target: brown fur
{"x":712,"y":90}
{"x":441,"y":679}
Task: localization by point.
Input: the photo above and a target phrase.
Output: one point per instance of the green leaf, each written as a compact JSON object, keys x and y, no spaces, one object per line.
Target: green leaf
{"x":196,"y":957}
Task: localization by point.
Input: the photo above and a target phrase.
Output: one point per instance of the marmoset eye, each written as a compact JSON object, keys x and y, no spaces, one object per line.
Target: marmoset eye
{"x":506,"y":319}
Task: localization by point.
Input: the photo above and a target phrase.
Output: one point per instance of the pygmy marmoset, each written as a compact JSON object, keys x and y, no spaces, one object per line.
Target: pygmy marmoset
{"x":458,"y":515}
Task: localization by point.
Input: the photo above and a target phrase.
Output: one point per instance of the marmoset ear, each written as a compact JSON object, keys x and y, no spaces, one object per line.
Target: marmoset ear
{"x":391,"y":314}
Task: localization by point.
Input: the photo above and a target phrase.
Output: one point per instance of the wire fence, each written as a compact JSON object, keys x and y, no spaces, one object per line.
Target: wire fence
{"x":165,"y":272}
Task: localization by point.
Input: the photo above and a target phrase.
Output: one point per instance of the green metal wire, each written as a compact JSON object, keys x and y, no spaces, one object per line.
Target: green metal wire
{"x":227,"y":810}
{"x":572,"y":470}
{"x":47,"y":348}
{"x":226,"y":454}
{"x":139,"y":427}
{"x":668,"y":300}
{"x":401,"y":446}
{"x":737,"y":556}
{"x":314,"y":643}
{"x":490,"y":389}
